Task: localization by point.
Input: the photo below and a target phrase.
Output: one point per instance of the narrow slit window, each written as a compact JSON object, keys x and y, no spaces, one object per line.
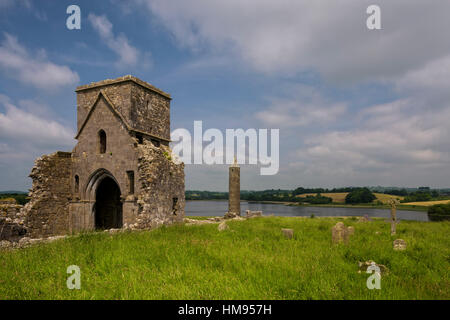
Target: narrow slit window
{"x":102,"y":141}
{"x":130,"y":175}
{"x":77,"y":183}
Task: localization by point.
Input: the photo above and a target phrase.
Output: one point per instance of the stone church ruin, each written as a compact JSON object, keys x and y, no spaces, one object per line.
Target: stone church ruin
{"x":120,"y":174}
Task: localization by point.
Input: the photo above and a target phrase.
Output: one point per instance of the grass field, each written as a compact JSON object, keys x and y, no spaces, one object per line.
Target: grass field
{"x":250,"y":260}
{"x":339,"y":197}
{"x":426,"y":203}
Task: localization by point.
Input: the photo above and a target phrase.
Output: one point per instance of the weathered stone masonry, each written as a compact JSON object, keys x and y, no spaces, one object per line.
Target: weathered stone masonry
{"x":121,"y":172}
{"x":46,"y":213}
{"x":11,"y":220}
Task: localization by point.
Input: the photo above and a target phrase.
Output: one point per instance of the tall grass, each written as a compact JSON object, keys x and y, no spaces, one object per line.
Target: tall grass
{"x":250,"y":260}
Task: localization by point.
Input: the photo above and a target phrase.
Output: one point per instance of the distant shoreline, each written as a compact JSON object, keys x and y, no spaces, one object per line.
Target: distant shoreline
{"x":335,"y":205}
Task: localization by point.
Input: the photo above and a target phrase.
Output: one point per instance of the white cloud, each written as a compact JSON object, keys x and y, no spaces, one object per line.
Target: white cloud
{"x":328,"y":36}
{"x":403,"y":141}
{"x":19,"y":127}
{"x":129,"y":56}
{"x":24,"y":136}
{"x":390,"y":144}
{"x":430,"y":79}
{"x":305,"y":107}
{"x":33,"y":69}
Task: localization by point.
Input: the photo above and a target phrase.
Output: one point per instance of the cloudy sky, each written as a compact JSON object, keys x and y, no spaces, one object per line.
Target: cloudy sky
{"x":354,"y":106}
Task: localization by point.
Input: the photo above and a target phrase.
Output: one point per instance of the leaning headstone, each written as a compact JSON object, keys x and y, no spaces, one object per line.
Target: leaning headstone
{"x":253,"y":214}
{"x":288,"y":233}
{"x":365,"y":218}
{"x":222,"y":226}
{"x":399,"y":244}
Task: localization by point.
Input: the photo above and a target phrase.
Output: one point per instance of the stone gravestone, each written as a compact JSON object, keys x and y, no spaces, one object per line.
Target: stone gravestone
{"x":350,"y":231}
{"x":365,"y":218}
{"x":288,"y":233}
{"x":340,"y":233}
{"x":393,"y":204}
{"x":253,"y":214}
{"x":399,"y":244}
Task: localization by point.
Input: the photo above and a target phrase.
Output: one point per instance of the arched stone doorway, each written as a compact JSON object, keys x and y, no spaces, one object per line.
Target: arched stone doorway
{"x":108,"y":206}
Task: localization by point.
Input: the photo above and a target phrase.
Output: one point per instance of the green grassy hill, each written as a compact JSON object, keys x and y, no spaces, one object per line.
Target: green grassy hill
{"x":250,"y":260}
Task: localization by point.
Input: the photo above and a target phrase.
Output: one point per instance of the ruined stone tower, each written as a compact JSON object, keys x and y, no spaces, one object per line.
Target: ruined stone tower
{"x":121,"y":172}
{"x":234,"y":191}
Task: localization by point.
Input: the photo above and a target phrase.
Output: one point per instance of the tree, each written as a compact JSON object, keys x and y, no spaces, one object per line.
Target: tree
{"x":439,"y":212}
{"x":360,"y":195}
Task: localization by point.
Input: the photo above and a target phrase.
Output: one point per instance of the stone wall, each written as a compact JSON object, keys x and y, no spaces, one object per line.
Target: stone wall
{"x":150,"y":112}
{"x":47,"y":212}
{"x":161,"y":178}
{"x":119,"y":157}
{"x":11,"y":221}
{"x":10,"y":209}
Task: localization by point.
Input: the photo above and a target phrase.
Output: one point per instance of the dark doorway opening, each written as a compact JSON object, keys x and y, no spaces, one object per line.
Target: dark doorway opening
{"x":108,"y":207}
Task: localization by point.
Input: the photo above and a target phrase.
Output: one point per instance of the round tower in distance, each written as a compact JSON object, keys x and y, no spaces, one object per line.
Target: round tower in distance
{"x":234,"y":190}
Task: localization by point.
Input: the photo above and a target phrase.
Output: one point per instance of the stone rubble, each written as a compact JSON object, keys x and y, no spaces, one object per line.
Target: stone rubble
{"x":364,"y":265}
{"x":222,"y":226}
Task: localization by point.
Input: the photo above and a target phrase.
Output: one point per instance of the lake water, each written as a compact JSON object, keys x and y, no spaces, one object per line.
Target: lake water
{"x":218,"y":208}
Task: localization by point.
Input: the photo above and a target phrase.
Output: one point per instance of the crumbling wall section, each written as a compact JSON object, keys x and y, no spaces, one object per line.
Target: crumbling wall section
{"x":47,"y":212}
{"x":10,"y":209}
{"x":11,"y":220}
{"x":161,"y":178}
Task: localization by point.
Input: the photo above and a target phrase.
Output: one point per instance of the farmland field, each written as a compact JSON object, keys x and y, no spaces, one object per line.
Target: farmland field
{"x":339,"y":197}
{"x":426,"y":203}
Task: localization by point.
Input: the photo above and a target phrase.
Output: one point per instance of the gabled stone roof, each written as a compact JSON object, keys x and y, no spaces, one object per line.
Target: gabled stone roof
{"x":117,"y":113}
{"x":123,"y":79}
